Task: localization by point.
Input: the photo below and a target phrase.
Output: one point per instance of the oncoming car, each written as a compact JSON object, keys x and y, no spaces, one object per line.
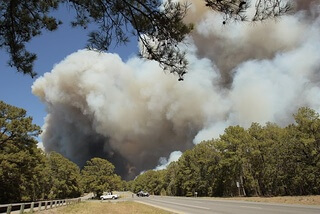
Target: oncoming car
{"x":142,"y":194}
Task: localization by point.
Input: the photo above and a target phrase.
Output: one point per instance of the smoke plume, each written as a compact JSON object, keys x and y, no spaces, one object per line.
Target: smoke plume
{"x":132,"y":113}
{"x":164,"y":162}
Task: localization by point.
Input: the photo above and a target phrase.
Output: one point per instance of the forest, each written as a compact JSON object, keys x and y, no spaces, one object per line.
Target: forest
{"x":263,"y":160}
{"x":27,"y":173}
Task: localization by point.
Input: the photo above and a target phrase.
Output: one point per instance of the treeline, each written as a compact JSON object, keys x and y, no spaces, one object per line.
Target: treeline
{"x":28,"y":174}
{"x":258,"y":161}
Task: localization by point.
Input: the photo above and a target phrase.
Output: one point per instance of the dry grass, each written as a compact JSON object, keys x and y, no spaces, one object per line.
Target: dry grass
{"x":106,"y":207}
{"x":305,"y":200}
{"x":124,"y":194}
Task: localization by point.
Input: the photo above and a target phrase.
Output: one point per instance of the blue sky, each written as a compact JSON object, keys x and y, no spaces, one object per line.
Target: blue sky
{"x":51,"y":48}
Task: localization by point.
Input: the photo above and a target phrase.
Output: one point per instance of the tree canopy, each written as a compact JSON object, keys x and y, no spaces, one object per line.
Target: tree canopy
{"x":263,"y":160}
{"x":65,"y":178}
{"x":236,"y":9}
{"x":16,"y":127}
{"x":29,"y":174}
{"x":98,"y":176}
{"x":159,"y":27}
{"x":22,"y":165}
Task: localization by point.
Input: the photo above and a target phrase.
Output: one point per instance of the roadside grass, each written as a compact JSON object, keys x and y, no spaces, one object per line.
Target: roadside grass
{"x":124,"y":194}
{"x":106,"y":207}
{"x":304,"y":200}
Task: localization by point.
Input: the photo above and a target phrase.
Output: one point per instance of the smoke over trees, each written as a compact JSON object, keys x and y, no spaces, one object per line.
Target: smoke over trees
{"x":265,"y":161}
{"x":132,"y":113}
{"x":25,"y":172}
{"x":29,"y":174}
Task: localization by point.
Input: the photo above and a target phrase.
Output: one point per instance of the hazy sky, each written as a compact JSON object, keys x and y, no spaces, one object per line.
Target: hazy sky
{"x":51,"y":48}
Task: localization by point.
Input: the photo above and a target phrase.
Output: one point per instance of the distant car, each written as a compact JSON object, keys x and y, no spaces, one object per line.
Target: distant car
{"x":142,"y":194}
{"x":109,"y":195}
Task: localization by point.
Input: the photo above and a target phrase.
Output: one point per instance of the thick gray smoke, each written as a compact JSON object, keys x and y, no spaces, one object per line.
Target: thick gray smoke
{"x":234,"y":43}
{"x":132,"y":113}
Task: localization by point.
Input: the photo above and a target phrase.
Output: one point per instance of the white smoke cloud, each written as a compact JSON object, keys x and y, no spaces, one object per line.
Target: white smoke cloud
{"x":133,"y":113}
{"x":164,"y":162}
{"x":211,"y":132}
{"x":40,"y":146}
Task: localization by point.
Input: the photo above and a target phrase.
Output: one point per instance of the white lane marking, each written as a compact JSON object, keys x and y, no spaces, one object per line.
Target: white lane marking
{"x":186,"y":205}
{"x":251,"y":207}
{"x":160,"y":207}
{"x":198,"y":202}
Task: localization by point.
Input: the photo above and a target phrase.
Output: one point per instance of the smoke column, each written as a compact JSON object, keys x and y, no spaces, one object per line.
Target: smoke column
{"x":133,"y":113}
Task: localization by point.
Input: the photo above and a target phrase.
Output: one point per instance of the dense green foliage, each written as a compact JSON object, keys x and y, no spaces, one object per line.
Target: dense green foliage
{"x":20,"y":21}
{"x":151,"y":181}
{"x":98,"y":176}
{"x":28,"y":174}
{"x":158,"y":26}
{"x":65,"y":178}
{"x":265,"y":161}
{"x":22,"y":165}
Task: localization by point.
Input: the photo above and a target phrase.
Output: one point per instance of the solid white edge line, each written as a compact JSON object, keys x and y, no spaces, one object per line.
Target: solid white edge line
{"x":260,"y":208}
{"x":160,"y":207}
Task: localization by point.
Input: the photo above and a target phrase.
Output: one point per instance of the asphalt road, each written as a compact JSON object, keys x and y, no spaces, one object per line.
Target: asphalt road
{"x":204,"y":206}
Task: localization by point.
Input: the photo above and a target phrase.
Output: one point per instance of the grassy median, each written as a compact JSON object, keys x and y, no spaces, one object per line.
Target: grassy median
{"x":106,"y":207}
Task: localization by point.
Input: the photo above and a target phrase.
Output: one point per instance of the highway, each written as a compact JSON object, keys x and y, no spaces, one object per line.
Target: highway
{"x":212,"y":206}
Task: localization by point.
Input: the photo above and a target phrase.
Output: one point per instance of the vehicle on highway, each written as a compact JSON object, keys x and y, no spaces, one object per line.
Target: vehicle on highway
{"x":109,"y":195}
{"x":142,"y":194}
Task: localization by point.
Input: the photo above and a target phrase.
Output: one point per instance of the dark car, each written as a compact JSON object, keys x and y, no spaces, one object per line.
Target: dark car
{"x":142,"y":194}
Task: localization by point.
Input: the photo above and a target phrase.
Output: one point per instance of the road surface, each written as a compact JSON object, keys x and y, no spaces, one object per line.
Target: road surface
{"x":212,"y":206}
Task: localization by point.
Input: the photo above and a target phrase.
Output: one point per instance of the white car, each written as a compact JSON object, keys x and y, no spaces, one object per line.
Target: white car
{"x":109,"y":195}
